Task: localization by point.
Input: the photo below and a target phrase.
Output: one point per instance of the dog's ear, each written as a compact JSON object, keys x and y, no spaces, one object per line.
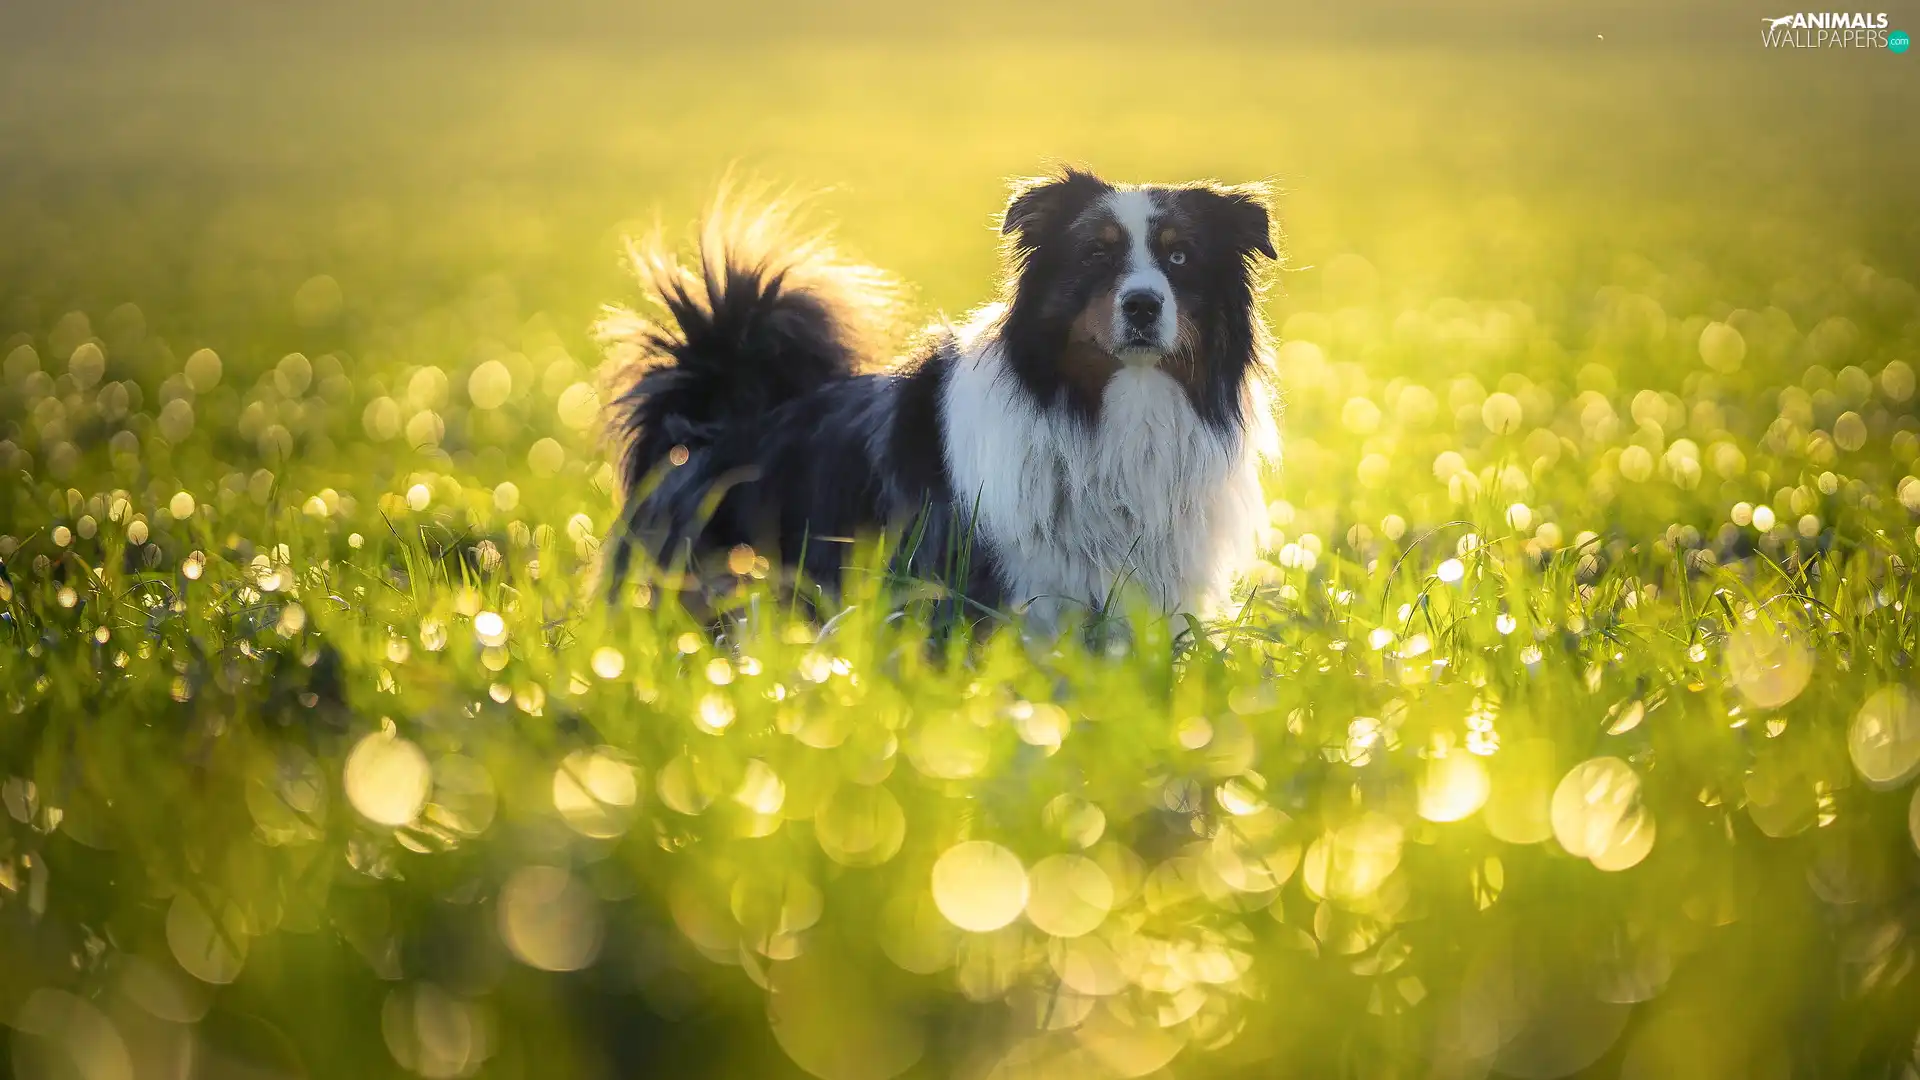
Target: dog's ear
{"x":1040,"y":205}
{"x":1239,"y":212}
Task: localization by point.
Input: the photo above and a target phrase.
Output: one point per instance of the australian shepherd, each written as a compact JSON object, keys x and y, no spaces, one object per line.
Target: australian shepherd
{"x":1094,"y":440}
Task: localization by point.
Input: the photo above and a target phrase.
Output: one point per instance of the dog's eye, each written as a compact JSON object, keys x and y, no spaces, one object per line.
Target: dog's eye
{"x":1098,"y":253}
{"x":1177,"y":257}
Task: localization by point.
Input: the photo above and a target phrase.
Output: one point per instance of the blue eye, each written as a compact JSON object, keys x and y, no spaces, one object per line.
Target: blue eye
{"x":1177,"y":257}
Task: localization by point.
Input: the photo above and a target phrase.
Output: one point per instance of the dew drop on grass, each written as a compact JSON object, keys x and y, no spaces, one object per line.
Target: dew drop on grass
{"x":1884,"y":739}
{"x":979,"y":885}
{"x":1769,"y":664}
{"x":761,"y":790}
{"x":1041,"y":724}
{"x":209,"y":952}
{"x":546,"y":457}
{"x":1908,"y":492}
{"x":387,"y":778}
{"x":1501,"y":413}
{"x":1255,"y":853}
{"x":1913,"y":819}
{"x":433,"y":1033}
{"x":1074,"y":820}
{"x":203,"y":370}
{"x":860,"y":824}
{"x":464,"y":799}
{"x":87,"y":364}
{"x":596,"y":791}
{"x":579,"y":406}
{"x":549,"y":920}
{"x":714,"y":713}
{"x":1242,"y":795}
{"x":1598,"y":814}
{"x":176,"y":421}
{"x":686,"y":785}
{"x":381,"y":419}
{"x":1070,"y":895}
{"x":1453,"y":787}
{"x":61,"y":1035}
{"x":20,"y":363}
{"x":1193,"y":733}
{"x":1722,"y":348}
{"x":1636,"y":463}
{"x":1350,"y":863}
{"x":490,"y":385}
{"x":771,"y":907}
{"x":608,"y":663}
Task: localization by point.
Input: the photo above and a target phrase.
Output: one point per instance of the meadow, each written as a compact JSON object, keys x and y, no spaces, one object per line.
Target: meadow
{"x":1568,"y":729}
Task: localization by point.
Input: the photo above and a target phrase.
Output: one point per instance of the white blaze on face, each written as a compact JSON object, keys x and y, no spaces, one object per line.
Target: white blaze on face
{"x":1141,"y":275}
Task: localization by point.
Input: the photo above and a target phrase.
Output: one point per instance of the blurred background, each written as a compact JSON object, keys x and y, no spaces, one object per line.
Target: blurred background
{"x":297,"y":296}
{"x":178,"y":155}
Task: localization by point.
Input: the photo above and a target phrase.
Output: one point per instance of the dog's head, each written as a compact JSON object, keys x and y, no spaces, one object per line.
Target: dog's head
{"x":1107,"y":276}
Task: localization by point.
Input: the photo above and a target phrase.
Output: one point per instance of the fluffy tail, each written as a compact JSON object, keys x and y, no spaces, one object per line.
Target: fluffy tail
{"x":768,"y":313}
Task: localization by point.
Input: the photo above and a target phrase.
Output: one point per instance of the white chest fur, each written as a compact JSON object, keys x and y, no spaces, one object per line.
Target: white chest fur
{"x":1149,"y":500}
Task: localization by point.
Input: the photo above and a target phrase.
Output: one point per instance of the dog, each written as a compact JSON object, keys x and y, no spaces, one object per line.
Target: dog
{"x":1094,"y":440}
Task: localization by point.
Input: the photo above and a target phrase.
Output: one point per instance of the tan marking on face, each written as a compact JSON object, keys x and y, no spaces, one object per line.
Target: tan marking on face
{"x":1168,"y":235}
{"x":1110,"y":233}
{"x":1088,"y":361}
{"x":1183,"y":361}
{"x":1095,"y":321}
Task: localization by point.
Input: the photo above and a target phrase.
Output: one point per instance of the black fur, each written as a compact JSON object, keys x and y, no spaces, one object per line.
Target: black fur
{"x":1229,"y":227}
{"x":784,"y":444}
{"x":1051,"y":288}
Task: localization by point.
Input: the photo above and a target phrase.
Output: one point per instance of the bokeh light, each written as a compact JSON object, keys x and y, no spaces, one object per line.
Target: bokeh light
{"x":549,"y":920}
{"x":387,"y":778}
{"x":1769,"y":664}
{"x":1070,"y":895}
{"x":1598,"y":814}
{"x":596,"y":791}
{"x":979,"y":885}
{"x":1884,"y":737}
{"x":1563,"y":725}
{"x":211,"y":949}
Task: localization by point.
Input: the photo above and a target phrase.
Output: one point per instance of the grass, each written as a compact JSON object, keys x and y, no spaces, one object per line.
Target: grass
{"x":1568,"y":728}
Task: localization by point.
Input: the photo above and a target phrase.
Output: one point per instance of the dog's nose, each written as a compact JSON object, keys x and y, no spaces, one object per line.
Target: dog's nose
{"x":1141,"y":308}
